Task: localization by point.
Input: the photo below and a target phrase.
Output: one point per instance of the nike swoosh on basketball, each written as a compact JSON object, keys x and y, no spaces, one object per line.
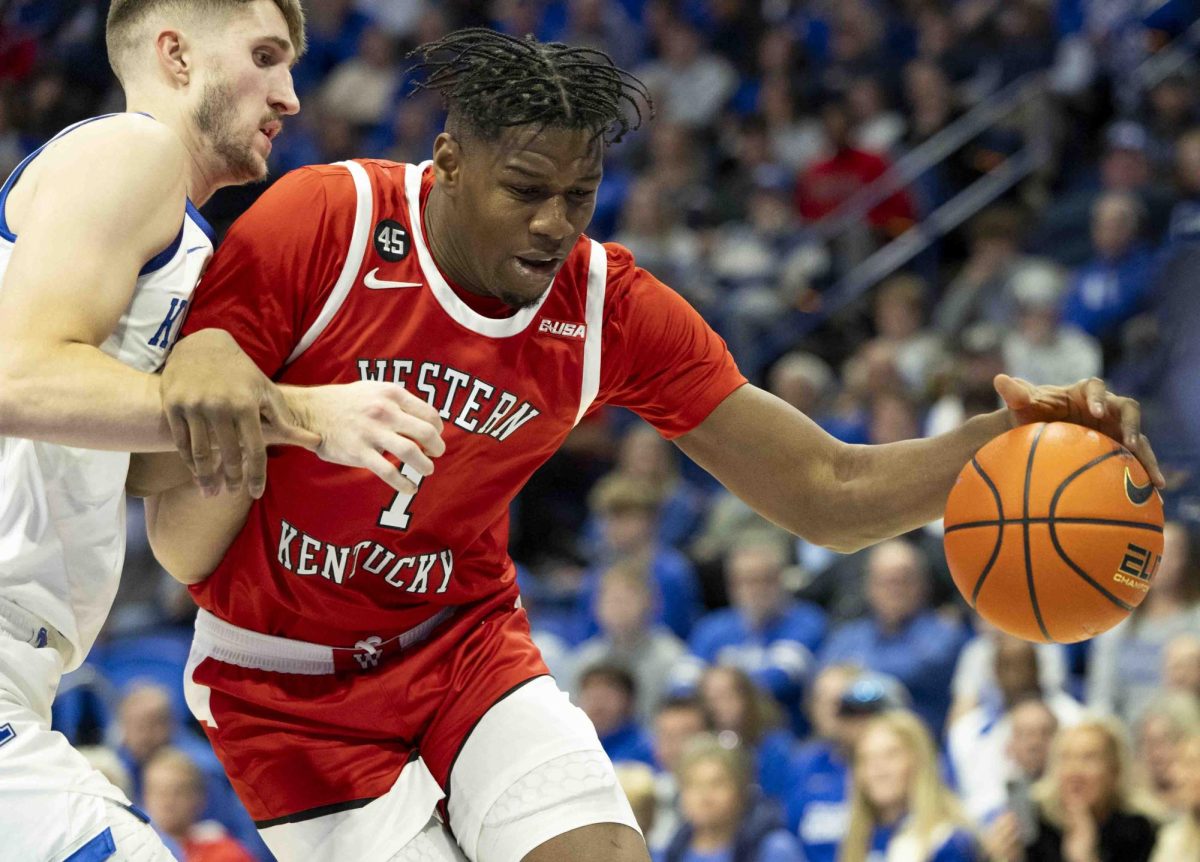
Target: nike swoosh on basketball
{"x":1137,"y":494}
{"x":378,"y":284}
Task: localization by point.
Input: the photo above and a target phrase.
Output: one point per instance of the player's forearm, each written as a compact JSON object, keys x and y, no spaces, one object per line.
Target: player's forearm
{"x":190,"y":533}
{"x":892,"y":488}
{"x":76,"y":395}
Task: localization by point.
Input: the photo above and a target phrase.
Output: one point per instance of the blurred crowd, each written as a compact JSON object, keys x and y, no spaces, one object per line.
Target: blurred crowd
{"x":769,"y":700}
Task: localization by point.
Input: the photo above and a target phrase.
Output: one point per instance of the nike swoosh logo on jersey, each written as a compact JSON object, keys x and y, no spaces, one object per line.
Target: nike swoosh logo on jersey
{"x":1137,"y":494}
{"x":195,"y":248}
{"x":378,"y":284}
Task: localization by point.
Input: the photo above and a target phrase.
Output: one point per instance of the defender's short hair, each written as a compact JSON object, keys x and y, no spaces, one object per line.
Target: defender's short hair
{"x":125,"y":15}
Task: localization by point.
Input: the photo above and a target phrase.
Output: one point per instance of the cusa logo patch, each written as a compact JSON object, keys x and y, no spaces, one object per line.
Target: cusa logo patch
{"x":563,"y":329}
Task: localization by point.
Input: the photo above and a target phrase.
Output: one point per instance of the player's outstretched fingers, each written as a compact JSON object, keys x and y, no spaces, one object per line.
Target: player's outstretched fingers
{"x":254,"y":453}
{"x":422,"y":432}
{"x":383,"y":468}
{"x":1097,"y":396}
{"x":406,"y":450}
{"x":204,"y":460}
{"x":223,"y":425}
{"x":418,"y":407}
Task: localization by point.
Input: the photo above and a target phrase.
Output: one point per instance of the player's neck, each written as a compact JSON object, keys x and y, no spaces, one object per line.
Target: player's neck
{"x":447,"y":246}
{"x":202,"y":178}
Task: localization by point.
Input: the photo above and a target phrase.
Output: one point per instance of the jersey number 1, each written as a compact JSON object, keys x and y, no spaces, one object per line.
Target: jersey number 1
{"x":396,"y":515}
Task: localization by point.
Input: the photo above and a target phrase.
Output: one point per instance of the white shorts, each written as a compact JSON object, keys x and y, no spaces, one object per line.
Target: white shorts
{"x":54,"y":805}
{"x":532,"y":769}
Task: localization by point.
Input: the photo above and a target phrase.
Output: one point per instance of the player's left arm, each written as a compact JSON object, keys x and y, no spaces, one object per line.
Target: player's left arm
{"x":847,"y":497}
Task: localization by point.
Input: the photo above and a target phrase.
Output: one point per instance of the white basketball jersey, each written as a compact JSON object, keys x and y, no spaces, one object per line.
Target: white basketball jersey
{"x":62,"y":509}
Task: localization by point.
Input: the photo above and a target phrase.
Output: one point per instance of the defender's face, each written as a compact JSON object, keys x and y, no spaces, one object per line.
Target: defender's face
{"x":249,"y":90}
{"x":527,"y":197}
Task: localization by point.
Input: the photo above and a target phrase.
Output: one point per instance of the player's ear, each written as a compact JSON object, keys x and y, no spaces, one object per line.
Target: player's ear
{"x":447,"y":161}
{"x":173,"y":51}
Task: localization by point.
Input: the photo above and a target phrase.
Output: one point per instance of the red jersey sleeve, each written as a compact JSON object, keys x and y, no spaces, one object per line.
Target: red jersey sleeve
{"x":277,"y":265}
{"x":659,"y":358}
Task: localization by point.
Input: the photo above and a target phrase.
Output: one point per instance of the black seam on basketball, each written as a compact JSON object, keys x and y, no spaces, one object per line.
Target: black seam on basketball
{"x":1110,"y":522}
{"x":1058,"y":548}
{"x":1037,"y":611}
{"x":999,"y":532}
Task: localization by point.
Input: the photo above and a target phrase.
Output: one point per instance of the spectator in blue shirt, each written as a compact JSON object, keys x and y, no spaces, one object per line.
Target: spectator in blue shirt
{"x":902,"y":636}
{"x":899,"y":808}
{"x":842,"y":703}
{"x":627,"y":508}
{"x":735,"y":705}
{"x":725,"y":819}
{"x":608,"y":694}
{"x":765,"y":632}
{"x":1115,"y":284}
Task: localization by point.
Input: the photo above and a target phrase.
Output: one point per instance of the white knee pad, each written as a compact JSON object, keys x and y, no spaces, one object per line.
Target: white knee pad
{"x":566,"y":793}
{"x":432,"y":844}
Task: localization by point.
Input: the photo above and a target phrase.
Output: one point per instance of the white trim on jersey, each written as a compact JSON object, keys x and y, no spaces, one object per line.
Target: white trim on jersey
{"x":358,"y":247}
{"x":593,"y":316}
{"x":462,"y":313}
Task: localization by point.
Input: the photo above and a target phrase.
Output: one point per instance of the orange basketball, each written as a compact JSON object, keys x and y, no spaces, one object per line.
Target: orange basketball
{"x":1054,"y":532}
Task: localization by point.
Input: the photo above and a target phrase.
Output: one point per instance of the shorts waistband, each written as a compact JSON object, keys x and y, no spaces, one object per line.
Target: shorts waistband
{"x":244,"y":648}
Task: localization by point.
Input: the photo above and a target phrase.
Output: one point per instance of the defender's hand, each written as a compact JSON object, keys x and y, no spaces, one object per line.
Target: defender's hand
{"x":360,"y":422}
{"x":215,"y":399}
{"x":1087,"y":402}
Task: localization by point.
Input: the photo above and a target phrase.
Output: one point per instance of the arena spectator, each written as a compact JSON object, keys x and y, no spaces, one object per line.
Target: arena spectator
{"x":629,"y":638}
{"x":765,"y":631}
{"x":1042,"y":349}
{"x":975,"y":680}
{"x":174,"y":798}
{"x":1185,"y":216}
{"x":899,"y":806}
{"x":982,"y":292}
{"x":662,"y":243}
{"x":1114,"y":286}
{"x":627,"y":508}
{"x":902,"y":637}
{"x":608,"y":694}
{"x":362,"y":89}
{"x":1165,"y":722}
{"x":724,"y":818}
{"x":678,"y":721}
{"x":841,"y":702}
{"x":738,"y":708}
{"x":899,"y":326}
{"x":1181,"y":665}
{"x":979,"y":739}
{"x":642,"y":452}
{"x":827,"y":184}
{"x":690,"y":84}
{"x":1180,"y":839}
{"x":1087,"y":806}
{"x":1125,"y":669}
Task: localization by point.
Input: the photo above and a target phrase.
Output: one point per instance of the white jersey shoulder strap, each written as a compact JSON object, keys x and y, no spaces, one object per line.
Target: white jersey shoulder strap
{"x":593,"y":317}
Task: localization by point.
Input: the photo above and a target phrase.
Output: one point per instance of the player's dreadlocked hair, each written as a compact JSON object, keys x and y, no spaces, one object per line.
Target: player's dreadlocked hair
{"x":491,"y":81}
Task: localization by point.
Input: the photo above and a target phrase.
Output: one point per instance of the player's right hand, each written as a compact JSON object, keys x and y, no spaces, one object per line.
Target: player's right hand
{"x":215,"y":400}
{"x":359,"y":423}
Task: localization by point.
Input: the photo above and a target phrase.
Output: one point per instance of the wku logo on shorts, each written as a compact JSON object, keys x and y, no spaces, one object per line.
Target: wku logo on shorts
{"x":562,"y":328}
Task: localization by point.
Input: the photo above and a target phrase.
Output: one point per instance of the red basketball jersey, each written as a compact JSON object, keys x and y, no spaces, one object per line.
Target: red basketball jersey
{"x":328,"y":278}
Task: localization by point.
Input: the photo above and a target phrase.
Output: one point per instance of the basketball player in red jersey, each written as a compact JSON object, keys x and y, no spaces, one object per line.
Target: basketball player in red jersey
{"x":362,"y":664}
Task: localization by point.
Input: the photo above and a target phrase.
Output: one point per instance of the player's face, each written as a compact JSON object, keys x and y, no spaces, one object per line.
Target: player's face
{"x":248,"y":91}
{"x":526,"y":199}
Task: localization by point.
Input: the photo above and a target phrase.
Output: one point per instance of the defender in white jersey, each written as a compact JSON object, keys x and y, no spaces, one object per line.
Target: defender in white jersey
{"x":101,"y":245}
